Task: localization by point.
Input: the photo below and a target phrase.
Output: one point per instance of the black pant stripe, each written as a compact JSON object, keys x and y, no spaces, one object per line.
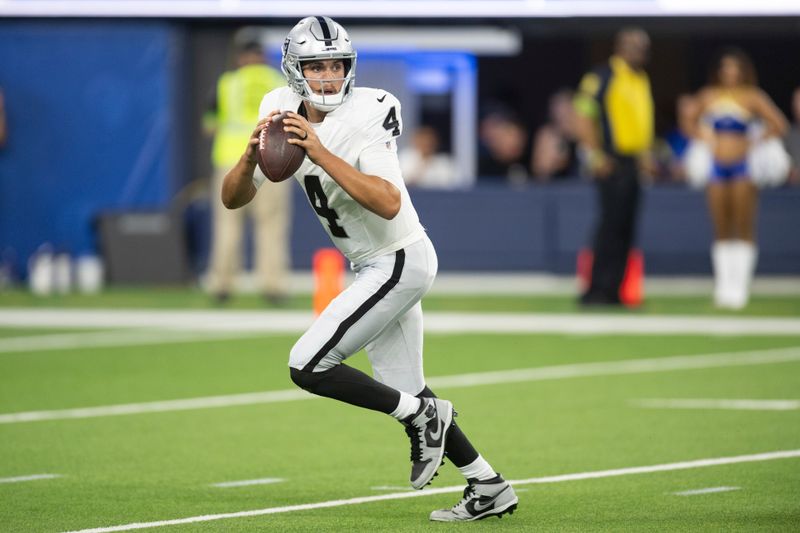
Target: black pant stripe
{"x":347,"y":323}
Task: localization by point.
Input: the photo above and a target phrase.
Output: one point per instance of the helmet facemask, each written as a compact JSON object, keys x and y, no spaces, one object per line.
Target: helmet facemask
{"x":318,"y":39}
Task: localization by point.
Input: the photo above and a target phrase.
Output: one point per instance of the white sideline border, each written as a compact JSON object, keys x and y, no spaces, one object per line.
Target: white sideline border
{"x":598,"y":474}
{"x":32,"y":477}
{"x":520,"y":375}
{"x":293,"y":322}
{"x":175,"y":329}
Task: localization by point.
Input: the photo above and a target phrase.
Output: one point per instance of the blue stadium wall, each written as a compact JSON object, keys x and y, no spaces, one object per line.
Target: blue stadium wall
{"x":542,"y":228}
{"x":93,"y":111}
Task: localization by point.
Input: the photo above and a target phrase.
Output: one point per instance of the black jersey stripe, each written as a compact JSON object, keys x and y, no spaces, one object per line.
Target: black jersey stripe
{"x":326,"y":31}
{"x":347,"y":323}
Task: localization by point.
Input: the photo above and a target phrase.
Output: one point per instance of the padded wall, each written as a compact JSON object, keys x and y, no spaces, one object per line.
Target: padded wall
{"x":93,"y":124}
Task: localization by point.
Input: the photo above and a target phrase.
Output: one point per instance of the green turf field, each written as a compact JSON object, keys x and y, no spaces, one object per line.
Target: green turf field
{"x":182,"y":298}
{"x":581,"y":417}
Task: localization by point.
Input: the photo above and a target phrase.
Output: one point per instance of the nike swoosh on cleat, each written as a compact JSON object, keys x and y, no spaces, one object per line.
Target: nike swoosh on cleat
{"x":434,"y":438}
{"x":382,"y":98}
{"x":484,"y":503}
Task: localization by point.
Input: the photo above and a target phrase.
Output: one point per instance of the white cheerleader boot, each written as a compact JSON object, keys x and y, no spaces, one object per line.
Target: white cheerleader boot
{"x":722,"y":260}
{"x":744,"y":254}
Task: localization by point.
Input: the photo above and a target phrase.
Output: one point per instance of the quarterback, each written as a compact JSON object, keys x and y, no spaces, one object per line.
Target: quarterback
{"x":351,"y":176}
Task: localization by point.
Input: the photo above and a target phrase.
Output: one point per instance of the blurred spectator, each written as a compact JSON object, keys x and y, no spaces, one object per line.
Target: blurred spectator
{"x":728,"y":109}
{"x":793,"y":138}
{"x":615,"y":128}
{"x":230,"y":117}
{"x":555,"y":143}
{"x":3,"y":123}
{"x":504,"y":147}
{"x":677,"y":139}
{"x":423,"y":165}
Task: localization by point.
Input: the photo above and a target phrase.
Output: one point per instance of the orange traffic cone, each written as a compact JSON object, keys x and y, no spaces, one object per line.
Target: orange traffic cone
{"x":631,"y":292}
{"x":328,"y":266}
{"x":584,"y":268}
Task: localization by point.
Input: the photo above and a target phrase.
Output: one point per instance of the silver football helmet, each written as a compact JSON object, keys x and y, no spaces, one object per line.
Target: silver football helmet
{"x":316,"y":38}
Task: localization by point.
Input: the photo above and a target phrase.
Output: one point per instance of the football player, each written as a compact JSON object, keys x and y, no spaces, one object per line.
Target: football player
{"x":352,"y":178}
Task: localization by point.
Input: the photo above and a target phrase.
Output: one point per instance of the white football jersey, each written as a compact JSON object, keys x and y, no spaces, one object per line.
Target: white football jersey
{"x":362,"y":132}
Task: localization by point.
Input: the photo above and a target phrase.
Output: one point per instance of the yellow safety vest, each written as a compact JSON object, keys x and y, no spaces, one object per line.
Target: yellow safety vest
{"x":620,"y":98}
{"x":239,"y":94}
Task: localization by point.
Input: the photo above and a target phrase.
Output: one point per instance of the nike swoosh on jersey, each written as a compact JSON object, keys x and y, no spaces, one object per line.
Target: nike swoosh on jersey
{"x":382,"y":98}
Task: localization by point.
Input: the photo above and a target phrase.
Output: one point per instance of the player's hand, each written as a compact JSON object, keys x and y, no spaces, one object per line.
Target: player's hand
{"x":298,"y":125}
{"x":648,"y":166}
{"x":252,"y":143}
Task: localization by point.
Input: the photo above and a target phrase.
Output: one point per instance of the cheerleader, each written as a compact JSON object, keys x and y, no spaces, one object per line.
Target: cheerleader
{"x":737,"y":130}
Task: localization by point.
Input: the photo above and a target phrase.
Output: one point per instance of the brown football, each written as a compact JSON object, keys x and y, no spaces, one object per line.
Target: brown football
{"x":278,"y":159}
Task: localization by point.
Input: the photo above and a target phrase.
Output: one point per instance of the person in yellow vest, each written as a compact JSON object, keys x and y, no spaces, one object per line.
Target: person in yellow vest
{"x":615,"y":118}
{"x":230,"y":116}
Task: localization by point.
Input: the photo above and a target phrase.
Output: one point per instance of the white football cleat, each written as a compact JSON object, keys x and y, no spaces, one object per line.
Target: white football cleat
{"x":482,"y":499}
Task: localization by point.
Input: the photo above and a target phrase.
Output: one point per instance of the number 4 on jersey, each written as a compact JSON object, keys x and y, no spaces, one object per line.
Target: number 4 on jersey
{"x":391,"y":122}
{"x":320,"y":204}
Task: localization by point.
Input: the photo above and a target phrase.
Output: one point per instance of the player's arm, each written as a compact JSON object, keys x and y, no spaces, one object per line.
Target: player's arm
{"x":372,"y":192}
{"x":210,"y":114}
{"x":587,"y":131}
{"x":238,"y":187}
{"x":691,"y":123}
{"x":776,"y":122}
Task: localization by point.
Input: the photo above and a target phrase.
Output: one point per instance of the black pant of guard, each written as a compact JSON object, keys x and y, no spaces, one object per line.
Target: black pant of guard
{"x":619,"y":205}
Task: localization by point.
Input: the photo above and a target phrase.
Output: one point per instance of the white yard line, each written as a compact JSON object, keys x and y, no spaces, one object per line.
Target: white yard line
{"x":520,"y":375}
{"x":435,"y":322}
{"x":103,"y":339}
{"x":34,"y":477}
{"x":160,"y":407}
{"x":248,"y":482}
{"x":184,"y":320}
{"x":630,"y":366}
{"x":702,"y":463}
{"x":700,"y":403}
{"x":597,"y":324}
{"x":709,"y":490}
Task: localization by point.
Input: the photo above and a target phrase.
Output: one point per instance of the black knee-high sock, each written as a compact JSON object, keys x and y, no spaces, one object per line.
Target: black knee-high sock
{"x":458,"y":448}
{"x":348,"y":385}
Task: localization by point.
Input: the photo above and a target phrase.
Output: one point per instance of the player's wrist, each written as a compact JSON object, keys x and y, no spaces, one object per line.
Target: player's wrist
{"x":325,"y":159}
{"x":249,"y":159}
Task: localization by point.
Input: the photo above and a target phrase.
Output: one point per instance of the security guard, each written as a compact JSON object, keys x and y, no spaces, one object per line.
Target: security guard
{"x":615,"y":132}
{"x":230,"y":117}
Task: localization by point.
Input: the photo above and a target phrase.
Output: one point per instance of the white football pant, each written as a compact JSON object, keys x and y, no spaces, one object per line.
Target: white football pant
{"x":381,"y":312}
